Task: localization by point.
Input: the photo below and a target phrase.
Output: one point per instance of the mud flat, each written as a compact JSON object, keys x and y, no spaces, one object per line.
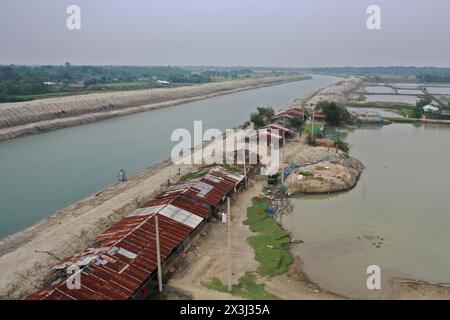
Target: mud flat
{"x":23,"y":118}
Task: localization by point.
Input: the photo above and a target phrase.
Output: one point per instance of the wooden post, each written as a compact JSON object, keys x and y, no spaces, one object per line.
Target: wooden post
{"x":312,"y":123}
{"x":229,"y":243}
{"x":158,"y":254}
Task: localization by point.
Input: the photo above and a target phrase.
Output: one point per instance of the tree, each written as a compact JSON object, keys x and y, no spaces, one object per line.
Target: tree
{"x":296,"y":122}
{"x":266,"y":112}
{"x":334,"y":114}
{"x":417,"y":112}
{"x":257,"y":119}
{"x":418,"y":109}
{"x":262,"y":116}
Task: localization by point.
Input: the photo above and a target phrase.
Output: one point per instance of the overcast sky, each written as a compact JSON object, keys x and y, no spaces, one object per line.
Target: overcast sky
{"x":299,"y":33}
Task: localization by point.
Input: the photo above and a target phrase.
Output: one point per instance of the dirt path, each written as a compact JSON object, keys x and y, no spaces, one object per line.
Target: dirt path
{"x":207,"y":259}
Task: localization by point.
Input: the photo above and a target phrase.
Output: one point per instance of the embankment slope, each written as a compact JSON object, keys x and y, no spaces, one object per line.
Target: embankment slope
{"x":23,"y":118}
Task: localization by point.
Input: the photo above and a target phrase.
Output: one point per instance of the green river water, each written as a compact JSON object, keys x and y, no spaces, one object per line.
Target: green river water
{"x":46,"y":172}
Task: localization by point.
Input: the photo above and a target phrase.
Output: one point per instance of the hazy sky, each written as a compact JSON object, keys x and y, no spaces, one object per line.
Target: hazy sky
{"x":226,"y":32}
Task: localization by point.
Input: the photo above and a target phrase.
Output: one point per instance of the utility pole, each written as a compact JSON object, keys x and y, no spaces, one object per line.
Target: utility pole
{"x":312,"y":125}
{"x":284,"y":139}
{"x":284,"y":151}
{"x":229,"y":243}
{"x":158,"y":254}
{"x":245,"y":169}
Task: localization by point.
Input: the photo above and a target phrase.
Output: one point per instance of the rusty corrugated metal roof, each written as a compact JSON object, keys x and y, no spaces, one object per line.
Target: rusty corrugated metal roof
{"x":124,"y":256}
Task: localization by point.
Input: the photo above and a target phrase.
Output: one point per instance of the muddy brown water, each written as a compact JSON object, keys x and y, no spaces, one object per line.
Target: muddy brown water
{"x":402,"y":197}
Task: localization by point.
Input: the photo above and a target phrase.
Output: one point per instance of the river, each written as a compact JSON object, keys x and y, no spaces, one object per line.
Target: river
{"x":402,"y":197}
{"x":46,"y":172}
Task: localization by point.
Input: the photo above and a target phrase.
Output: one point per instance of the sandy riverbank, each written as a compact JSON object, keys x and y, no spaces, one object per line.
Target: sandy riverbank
{"x":23,"y":118}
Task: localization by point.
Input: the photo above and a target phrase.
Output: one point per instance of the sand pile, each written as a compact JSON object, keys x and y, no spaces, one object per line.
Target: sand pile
{"x":324,"y":177}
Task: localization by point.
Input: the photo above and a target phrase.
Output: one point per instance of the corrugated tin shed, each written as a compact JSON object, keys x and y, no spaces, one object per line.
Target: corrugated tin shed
{"x":211,"y":189}
{"x":123,"y":258}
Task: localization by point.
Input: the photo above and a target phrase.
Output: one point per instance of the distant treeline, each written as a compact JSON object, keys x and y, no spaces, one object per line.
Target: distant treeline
{"x":19,"y":83}
{"x":425,"y":74}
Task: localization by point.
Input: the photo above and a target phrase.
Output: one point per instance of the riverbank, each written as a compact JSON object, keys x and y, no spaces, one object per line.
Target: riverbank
{"x":24,"y":118}
{"x":203,"y":270}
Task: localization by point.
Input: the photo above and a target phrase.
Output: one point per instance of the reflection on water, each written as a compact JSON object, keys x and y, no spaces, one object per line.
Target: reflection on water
{"x":402,"y":197}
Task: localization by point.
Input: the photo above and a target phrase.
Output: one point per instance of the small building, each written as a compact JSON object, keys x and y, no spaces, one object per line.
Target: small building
{"x":429,"y":108}
{"x":319,"y":118}
{"x":163,"y":82}
{"x":445,"y":114}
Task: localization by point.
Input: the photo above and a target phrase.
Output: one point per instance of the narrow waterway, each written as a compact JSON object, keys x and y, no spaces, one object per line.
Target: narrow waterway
{"x":402,"y":198}
{"x":46,"y":172}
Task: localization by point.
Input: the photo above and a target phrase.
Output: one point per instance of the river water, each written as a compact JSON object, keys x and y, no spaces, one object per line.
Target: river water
{"x":46,"y":172}
{"x":402,"y":197}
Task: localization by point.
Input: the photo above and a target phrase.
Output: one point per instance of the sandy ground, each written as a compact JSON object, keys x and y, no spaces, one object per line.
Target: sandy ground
{"x":340,"y":93}
{"x":207,"y":259}
{"x":26,"y":257}
{"x":329,"y":176}
{"x":23,"y":118}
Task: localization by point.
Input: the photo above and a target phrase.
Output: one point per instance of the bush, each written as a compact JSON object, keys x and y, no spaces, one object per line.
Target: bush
{"x":310,"y":140}
{"x":342,"y":145}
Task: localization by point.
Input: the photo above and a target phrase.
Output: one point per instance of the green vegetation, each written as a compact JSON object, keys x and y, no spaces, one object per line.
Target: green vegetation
{"x":400,"y":120}
{"x":334,"y":114}
{"x":407,"y":112}
{"x":197,"y":173}
{"x":317,"y":129}
{"x":296,"y":122}
{"x":271,"y":242}
{"x":342,"y":145}
{"x":247,"y":288}
{"x":310,"y":140}
{"x":418,"y":109}
{"x":22,"y":83}
{"x":262,"y":116}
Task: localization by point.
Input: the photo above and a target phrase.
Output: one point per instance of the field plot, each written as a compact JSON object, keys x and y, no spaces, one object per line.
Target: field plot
{"x":379,"y":89}
{"x":392,"y":98}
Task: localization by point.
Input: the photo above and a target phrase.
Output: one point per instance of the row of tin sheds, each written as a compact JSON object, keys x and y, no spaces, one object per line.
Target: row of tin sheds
{"x":122,"y":263}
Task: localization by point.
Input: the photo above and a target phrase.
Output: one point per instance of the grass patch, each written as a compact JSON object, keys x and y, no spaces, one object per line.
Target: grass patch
{"x":402,"y":120}
{"x":407,"y":112}
{"x":196,"y":173}
{"x":307,"y":128}
{"x":271,"y":242}
{"x":247,"y":288}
